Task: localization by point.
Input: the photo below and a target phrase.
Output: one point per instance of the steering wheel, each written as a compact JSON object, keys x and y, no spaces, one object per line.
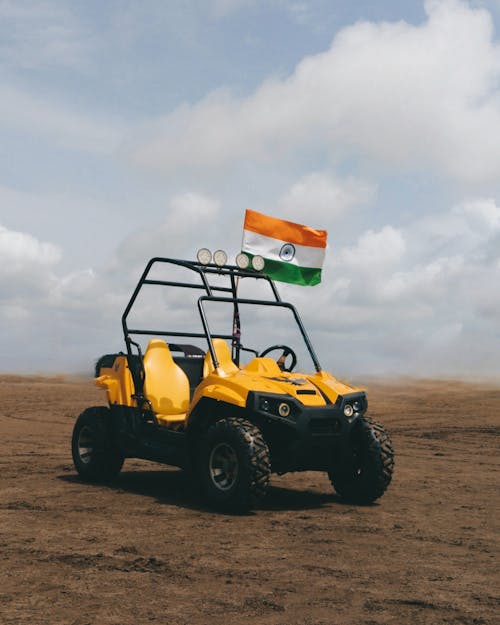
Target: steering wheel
{"x":286,"y":351}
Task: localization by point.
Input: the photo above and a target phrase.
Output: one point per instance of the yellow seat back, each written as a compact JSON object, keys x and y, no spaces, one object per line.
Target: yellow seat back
{"x":166,"y":385}
{"x":226,"y":365}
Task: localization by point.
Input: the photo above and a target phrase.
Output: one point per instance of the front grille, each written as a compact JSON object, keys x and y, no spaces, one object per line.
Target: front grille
{"x":328,"y":425}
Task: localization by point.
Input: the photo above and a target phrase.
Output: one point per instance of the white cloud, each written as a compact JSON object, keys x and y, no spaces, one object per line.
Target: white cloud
{"x":190,"y":218}
{"x":404,"y":96}
{"x":424,"y":282}
{"x":470,"y":228}
{"x":412,"y":301}
{"x":396,"y":300}
{"x":413,"y":265}
{"x":189,"y":209}
{"x":26,"y":272}
{"x":56,"y":123}
{"x":324,"y":195}
{"x":21,"y":254}
{"x":77,"y":289}
{"x":60,"y":322}
{"x":12,"y":312}
{"x":374,"y":250}
{"x":482,"y":213}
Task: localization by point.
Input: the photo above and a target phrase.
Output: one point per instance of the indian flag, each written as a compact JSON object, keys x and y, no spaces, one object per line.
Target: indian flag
{"x":293,"y":253}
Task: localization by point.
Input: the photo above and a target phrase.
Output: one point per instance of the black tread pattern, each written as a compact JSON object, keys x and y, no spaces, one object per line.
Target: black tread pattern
{"x":259,"y":457}
{"x":368,"y":475}
{"x":106,"y":460}
{"x":381,"y":446}
{"x":255,"y":468}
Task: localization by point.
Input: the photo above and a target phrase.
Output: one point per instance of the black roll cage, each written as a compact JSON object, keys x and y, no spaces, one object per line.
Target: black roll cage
{"x":233,"y":273}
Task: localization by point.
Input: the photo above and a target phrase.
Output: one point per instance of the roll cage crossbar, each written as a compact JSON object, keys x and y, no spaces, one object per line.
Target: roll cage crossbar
{"x":211,"y":294}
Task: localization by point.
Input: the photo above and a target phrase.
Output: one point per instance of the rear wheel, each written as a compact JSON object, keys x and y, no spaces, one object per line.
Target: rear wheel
{"x":94,"y":454}
{"x":235,"y":464}
{"x":366,"y":474}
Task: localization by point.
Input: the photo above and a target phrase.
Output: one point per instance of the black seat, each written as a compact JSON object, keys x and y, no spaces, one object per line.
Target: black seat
{"x":193,"y":368}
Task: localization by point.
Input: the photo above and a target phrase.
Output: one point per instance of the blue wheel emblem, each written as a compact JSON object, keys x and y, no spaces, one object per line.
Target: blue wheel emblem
{"x":287,"y":252}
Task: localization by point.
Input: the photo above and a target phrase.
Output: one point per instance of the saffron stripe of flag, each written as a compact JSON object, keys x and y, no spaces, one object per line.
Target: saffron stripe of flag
{"x":293,"y":253}
{"x":286,"y":231}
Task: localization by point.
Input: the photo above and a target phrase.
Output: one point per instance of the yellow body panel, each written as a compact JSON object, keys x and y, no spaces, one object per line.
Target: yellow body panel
{"x":220,"y":388}
{"x":264,"y":366}
{"x":263,"y":375}
{"x":331,"y":386}
{"x":118,"y":383}
{"x":166,"y":385}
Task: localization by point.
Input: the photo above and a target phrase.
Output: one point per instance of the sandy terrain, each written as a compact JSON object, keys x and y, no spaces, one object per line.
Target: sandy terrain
{"x":146,"y":550}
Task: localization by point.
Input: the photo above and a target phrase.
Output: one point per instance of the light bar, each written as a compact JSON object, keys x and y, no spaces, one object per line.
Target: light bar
{"x":258,"y":263}
{"x":204,"y":256}
{"x":242,"y":260}
{"x":220,"y":258}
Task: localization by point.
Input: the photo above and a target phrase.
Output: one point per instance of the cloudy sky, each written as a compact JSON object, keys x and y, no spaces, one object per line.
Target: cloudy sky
{"x":130,"y":129}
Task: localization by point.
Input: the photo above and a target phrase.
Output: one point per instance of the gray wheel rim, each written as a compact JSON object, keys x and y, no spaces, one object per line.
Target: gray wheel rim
{"x":85,"y":444}
{"x":223,"y":466}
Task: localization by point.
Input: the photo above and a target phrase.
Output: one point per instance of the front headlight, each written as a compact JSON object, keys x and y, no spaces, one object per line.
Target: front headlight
{"x":284,"y":409}
{"x":276,"y":406}
{"x":348,"y":410}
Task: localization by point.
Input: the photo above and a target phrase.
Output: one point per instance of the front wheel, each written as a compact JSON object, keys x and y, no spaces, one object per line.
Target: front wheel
{"x":235,"y":464}
{"x":94,"y":454}
{"x":366,"y":473}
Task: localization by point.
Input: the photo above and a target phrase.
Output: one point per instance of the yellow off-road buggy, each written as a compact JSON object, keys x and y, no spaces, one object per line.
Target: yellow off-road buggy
{"x":231,"y":424}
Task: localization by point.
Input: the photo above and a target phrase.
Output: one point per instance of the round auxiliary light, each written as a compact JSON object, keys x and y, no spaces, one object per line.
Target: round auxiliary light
{"x":283,"y":410}
{"x":258,"y":263}
{"x":220,"y":258}
{"x":204,"y":256}
{"x":348,"y":410}
{"x":242,"y":260}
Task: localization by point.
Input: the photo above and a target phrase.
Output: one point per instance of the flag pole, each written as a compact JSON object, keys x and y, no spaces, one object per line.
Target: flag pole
{"x":235,"y":343}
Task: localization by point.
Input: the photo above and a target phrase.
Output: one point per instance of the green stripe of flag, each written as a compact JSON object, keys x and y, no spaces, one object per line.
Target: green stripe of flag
{"x":286,"y":272}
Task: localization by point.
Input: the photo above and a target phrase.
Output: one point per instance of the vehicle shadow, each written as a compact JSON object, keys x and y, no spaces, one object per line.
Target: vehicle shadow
{"x":280,"y":498}
{"x":179,"y":488}
{"x":170,"y":487}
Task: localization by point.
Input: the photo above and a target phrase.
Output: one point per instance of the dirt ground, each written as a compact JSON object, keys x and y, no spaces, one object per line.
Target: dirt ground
{"x":146,"y":550}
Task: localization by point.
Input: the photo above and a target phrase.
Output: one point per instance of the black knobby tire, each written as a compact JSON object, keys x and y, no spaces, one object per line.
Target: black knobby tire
{"x":94,"y":453}
{"x":365,"y":475}
{"x":235,"y":464}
